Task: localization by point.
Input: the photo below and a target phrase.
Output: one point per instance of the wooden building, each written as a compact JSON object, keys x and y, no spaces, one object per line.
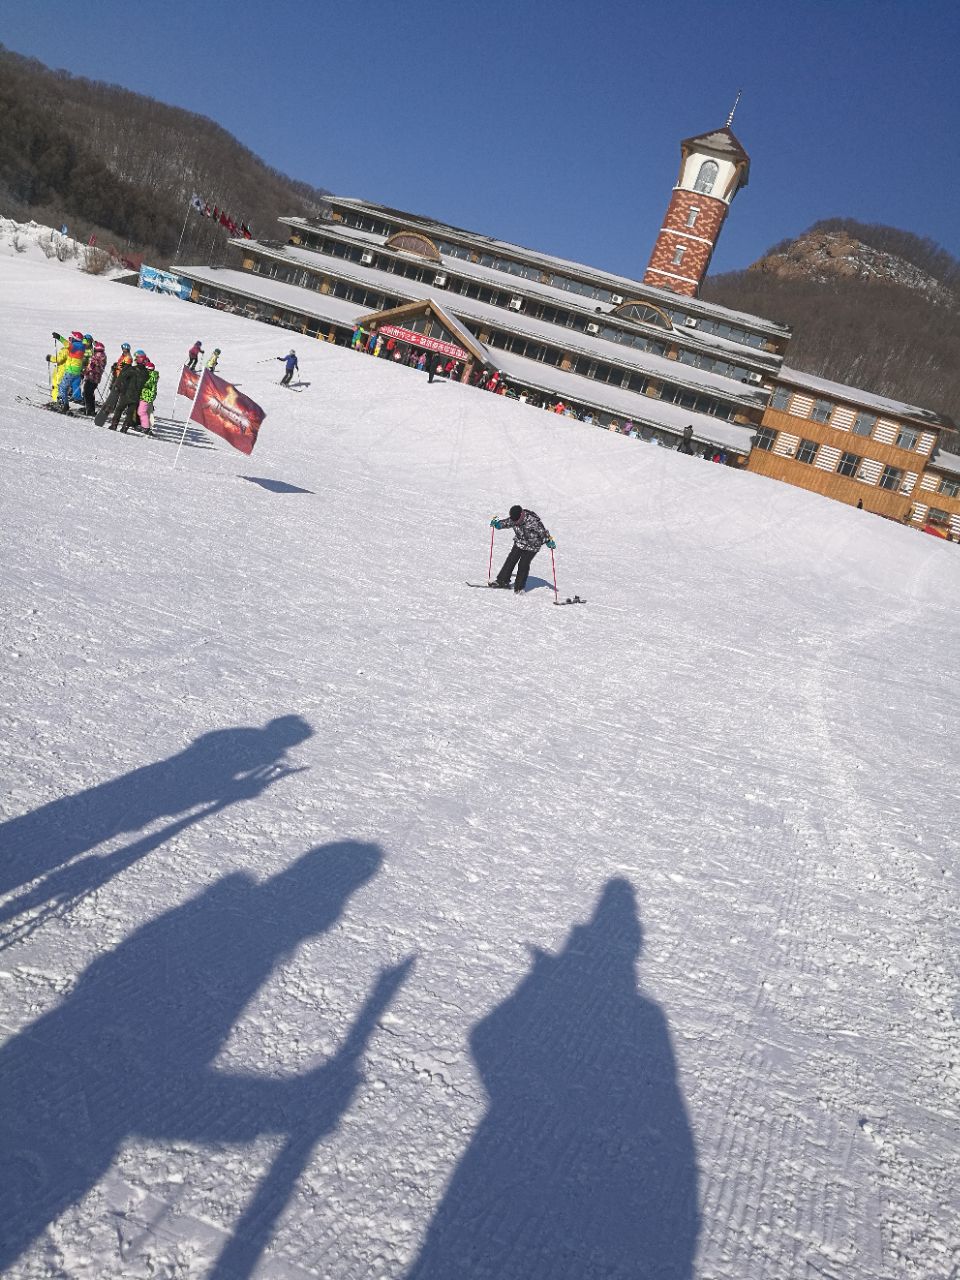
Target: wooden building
{"x":848,"y":444}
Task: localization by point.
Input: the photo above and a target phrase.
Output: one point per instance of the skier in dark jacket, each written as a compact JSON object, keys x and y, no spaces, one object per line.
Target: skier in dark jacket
{"x":194,"y":354}
{"x":529,"y":535}
{"x":686,"y":444}
{"x":92,"y":373}
{"x":290,"y":364}
{"x":130,"y":382}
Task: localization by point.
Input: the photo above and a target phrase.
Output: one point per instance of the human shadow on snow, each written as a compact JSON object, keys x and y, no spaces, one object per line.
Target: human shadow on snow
{"x":217,"y":770}
{"x":584,"y":1163}
{"x":130,"y":1052}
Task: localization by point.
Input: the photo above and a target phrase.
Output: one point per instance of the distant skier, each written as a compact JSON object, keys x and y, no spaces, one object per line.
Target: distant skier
{"x":290,"y":365}
{"x":214,"y":360}
{"x":70,"y":378}
{"x":529,"y":535}
{"x":122,"y":360}
{"x":148,"y":397}
{"x":92,"y":374}
{"x":686,"y":444}
{"x":194,"y":354}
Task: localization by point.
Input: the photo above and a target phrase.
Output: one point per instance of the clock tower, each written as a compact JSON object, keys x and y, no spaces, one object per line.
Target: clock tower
{"x":713,"y":168}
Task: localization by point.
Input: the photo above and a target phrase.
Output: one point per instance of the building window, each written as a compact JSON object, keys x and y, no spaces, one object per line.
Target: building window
{"x":891,"y":478}
{"x":907,"y":439}
{"x":849,"y":463}
{"x":949,"y":488}
{"x":707,"y":177}
{"x":822,"y":410}
{"x":678,"y":253}
{"x":935,"y":516}
{"x":692,"y":215}
{"x":781,"y":399}
{"x":807,"y":451}
{"x":864,"y":423}
{"x":764,"y":439}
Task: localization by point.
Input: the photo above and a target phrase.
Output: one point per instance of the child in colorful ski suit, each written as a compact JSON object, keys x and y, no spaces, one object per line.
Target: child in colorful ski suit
{"x":148,"y":398}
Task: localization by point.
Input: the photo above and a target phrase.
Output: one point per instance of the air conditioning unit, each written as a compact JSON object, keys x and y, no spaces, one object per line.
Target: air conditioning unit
{"x":616,"y":299}
{"x":440,"y":281}
{"x":515,"y":304}
{"x":755,"y":377}
{"x":593,"y":328}
{"x":691,"y":322}
{"x":366,"y":259}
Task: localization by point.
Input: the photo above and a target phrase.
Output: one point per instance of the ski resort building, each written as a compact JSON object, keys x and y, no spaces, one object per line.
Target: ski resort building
{"x":856,"y":447}
{"x":613,"y":349}
{"x":649,"y":356}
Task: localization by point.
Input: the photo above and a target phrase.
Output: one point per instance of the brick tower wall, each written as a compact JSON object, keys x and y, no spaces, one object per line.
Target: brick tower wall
{"x":698,"y":241}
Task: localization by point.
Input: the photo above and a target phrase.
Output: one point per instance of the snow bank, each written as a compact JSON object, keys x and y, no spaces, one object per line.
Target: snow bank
{"x":358,"y":924}
{"x":33,"y":242}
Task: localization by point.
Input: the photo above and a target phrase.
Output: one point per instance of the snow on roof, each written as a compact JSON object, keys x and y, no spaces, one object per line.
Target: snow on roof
{"x":262,"y":289}
{"x":692,"y":336}
{"x":469,"y":309}
{"x":856,"y":396}
{"x":541,"y":377}
{"x":573,"y":388}
{"x":947,"y":462}
{"x":636,"y":288}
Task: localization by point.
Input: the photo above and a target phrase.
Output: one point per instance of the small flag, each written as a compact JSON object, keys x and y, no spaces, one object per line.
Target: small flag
{"x":189,"y":380}
{"x":225,"y":411}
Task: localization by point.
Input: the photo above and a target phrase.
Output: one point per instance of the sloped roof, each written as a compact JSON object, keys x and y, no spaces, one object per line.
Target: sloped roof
{"x":866,"y":399}
{"x":459,"y":331}
{"x":725,"y":143}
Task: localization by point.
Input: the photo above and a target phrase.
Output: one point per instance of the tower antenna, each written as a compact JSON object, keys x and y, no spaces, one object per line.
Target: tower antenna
{"x":733,"y":109}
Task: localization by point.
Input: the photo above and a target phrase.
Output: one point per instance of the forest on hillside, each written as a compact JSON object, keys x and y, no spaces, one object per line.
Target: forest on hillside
{"x":884,"y":336}
{"x":122,"y":166}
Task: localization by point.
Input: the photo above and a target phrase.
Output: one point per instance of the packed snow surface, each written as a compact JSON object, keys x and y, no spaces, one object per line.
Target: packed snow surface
{"x":358,"y":924}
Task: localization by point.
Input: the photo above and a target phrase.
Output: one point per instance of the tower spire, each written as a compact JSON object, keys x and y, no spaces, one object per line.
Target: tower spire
{"x":733,"y":109}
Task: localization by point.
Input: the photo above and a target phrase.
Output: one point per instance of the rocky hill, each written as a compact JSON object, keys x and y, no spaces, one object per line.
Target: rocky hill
{"x":122,"y":166}
{"x":870,"y":305}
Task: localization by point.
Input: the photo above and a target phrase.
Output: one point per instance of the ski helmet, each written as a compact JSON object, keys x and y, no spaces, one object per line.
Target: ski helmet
{"x":76,"y":334}
{"x":88,"y":337}
{"x":516,"y":513}
{"x":124,"y":346}
{"x":291,"y":352}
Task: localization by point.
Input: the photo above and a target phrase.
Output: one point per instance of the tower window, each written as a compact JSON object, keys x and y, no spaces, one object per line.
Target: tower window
{"x":678,"y":253}
{"x":707,"y":177}
{"x":692,"y":216}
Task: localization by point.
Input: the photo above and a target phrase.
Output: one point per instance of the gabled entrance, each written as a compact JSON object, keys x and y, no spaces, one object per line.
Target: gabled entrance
{"x":428,"y":326}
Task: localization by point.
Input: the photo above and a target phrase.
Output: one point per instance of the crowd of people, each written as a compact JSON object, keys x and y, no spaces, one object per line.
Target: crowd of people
{"x":437,"y":366}
{"x":77,"y":368}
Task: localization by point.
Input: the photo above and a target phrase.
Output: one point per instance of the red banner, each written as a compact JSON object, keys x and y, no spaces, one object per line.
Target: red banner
{"x":418,"y":340}
{"x":189,"y":381}
{"x":225,"y":411}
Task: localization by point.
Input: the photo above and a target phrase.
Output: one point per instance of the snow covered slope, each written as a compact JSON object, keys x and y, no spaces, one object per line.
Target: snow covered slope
{"x":357,"y":924}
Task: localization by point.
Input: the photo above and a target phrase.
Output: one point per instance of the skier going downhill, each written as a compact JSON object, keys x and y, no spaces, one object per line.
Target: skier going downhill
{"x":290,"y":363}
{"x":529,"y":535}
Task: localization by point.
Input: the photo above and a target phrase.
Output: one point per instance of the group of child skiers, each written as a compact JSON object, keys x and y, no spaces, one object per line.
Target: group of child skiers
{"x":77,"y":368}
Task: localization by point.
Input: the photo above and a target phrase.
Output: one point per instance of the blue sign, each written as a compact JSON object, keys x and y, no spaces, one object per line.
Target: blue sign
{"x":164,"y":282}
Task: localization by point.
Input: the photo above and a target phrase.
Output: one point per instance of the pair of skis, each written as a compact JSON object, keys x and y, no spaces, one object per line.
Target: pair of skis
{"x":497,"y":586}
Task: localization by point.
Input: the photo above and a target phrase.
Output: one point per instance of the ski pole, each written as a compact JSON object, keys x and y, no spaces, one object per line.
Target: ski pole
{"x":553,"y":561}
{"x":490,"y":567}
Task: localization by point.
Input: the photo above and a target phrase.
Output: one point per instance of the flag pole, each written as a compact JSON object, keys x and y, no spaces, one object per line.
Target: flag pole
{"x":183,"y":229}
{"x":183,"y":434}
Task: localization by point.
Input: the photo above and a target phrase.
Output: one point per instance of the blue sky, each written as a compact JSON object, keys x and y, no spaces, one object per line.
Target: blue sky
{"x":557,"y":125}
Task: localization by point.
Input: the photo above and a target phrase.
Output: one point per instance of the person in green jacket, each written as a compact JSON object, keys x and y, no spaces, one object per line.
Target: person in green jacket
{"x":148,"y":397}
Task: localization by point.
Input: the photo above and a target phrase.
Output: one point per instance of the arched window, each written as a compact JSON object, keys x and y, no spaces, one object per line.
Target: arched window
{"x":413,"y":242}
{"x":643,"y":312}
{"x":706,"y":177}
